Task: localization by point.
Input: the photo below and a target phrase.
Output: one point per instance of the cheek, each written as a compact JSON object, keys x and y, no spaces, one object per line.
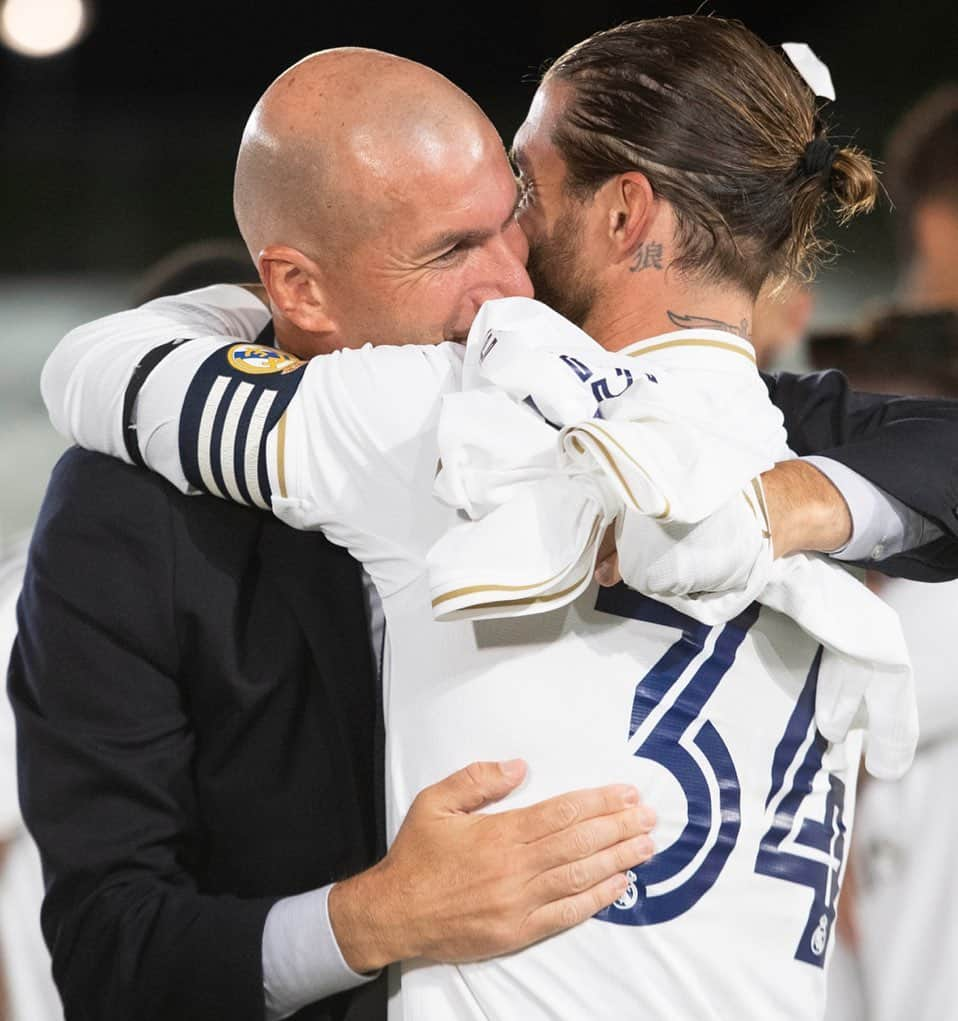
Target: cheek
{"x":518,"y":242}
{"x":530,"y":220}
{"x":437,"y":308}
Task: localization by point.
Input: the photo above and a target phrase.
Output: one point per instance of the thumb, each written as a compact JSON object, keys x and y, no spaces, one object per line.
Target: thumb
{"x":607,"y":571}
{"x":479,"y":784}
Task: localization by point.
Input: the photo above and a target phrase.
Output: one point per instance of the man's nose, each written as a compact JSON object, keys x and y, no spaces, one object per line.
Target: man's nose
{"x":512,"y":280}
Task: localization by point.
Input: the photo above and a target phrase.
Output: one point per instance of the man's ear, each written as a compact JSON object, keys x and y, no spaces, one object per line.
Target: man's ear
{"x":294,"y":283}
{"x":631,"y":210}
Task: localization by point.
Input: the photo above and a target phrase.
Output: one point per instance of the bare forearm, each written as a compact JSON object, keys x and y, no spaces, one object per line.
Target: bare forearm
{"x":806,"y":511}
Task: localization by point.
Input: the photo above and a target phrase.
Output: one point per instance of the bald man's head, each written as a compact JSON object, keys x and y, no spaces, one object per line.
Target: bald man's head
{"x":378,"y":203}
{"x":339,"y":138}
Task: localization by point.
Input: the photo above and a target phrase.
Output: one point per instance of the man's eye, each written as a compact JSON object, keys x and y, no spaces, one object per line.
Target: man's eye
{"x":451,"y":254}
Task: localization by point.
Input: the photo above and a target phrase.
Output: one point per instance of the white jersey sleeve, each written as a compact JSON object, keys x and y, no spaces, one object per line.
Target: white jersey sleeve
{"x":86,"y":379}
{"x":345,"y":443}
{"x":356,"y":453}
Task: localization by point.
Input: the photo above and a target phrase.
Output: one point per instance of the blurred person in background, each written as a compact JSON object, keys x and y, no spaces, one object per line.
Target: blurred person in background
{"x":898,"y":919}
{"x":923,"y":184}
{"x":781,"y":318}
{"x":193,"y":265}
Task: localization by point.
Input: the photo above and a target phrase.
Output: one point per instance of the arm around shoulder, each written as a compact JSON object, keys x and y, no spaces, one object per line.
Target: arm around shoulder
{"x":906,"y":447}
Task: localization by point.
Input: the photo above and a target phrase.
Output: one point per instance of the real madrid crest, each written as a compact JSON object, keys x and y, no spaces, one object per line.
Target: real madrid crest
{"x":630,"y":896}
{"x":257,"y":361}
{"x":820,"y":936}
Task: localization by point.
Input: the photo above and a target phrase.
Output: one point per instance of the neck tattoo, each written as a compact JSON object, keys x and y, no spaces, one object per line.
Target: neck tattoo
{"x":647,"y":256}
{"x":686,"y":322}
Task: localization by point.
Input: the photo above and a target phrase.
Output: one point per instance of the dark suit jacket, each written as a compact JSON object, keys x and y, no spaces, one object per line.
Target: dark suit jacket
{"x":195,"y":702}
{"x":907,"y":446}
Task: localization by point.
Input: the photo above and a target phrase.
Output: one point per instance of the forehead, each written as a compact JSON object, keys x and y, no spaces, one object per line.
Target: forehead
{"x":533,"y":144}
{"x":469,"y":183}
{"x":427,"y":202}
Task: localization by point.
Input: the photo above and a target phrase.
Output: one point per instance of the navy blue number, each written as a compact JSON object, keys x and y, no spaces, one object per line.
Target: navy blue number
{"x":801,"y":744}
{"x":827,"y":837}
{"x":601,"y":390}
{"x":663,"y":744}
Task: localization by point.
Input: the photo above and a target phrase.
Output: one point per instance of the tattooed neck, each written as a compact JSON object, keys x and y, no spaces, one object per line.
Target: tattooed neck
{"x":647,"y":256}
{"x":704,"y":323}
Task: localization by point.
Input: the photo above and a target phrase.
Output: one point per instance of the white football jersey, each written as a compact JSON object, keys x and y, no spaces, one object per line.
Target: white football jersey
{"x":714,"y":725}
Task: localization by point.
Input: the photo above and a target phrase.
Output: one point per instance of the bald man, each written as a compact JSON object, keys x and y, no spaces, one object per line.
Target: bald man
{"x":193,"y":684}
{"x":377,"y":202}
{"x":410,"y":203}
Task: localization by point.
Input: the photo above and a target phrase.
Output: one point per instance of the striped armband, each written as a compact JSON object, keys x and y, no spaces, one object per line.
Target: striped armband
{"x":238,"y":395}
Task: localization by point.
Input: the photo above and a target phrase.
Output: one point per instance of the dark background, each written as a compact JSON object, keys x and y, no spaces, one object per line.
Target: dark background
{"x":123,"y":148}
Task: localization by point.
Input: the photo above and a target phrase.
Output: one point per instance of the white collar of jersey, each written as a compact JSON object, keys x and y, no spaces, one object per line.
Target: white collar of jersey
{"x":691,"y":342}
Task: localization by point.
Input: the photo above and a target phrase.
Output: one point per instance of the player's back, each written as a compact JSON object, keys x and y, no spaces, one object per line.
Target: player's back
{"x":714,"y":726}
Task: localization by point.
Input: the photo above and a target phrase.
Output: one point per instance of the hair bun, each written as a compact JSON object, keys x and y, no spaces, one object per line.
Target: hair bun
{"x":818,"y":158}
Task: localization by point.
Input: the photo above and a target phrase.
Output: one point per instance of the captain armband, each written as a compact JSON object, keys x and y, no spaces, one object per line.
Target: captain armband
{"x":237,"y":397}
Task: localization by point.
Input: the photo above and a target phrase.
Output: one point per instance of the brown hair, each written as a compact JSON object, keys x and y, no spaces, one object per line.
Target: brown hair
{"x":923,"y":156}
{"x":723,"y":128}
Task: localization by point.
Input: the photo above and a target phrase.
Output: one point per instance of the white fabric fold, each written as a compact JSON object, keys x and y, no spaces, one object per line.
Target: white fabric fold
{"x":553,"y":439}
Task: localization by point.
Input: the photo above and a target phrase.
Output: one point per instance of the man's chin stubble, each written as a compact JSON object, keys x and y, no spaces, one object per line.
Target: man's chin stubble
{"x":572,"y":300}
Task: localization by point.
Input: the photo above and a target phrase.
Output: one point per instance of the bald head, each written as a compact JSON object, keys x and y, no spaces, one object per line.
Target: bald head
{"x":341,"y":138}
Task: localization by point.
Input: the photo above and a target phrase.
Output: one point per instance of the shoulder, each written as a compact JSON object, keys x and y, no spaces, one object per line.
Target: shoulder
{"x":93,"y":494}
{"x":85,"y":475}
{"x":118,"y":540}
{"x":93,"y":498}
{"x":429,"y":367}
{"x":790,"y":387}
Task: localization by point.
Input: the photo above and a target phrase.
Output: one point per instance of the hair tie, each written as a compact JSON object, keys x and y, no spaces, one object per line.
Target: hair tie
{"x":818,"y":158}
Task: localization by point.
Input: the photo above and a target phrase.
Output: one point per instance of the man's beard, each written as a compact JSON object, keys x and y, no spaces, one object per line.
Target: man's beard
{"x":556,"y":275}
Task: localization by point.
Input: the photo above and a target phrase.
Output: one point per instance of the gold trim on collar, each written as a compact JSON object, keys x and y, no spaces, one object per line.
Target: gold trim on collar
{"x":678,"y":342}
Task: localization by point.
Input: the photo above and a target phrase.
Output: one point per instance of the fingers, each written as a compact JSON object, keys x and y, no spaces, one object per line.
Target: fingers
{"x":566,"y":810}
{"x":607,"y":571}
{"x":582,"y":875}
{"x":563,"y":914}
{"x":478,"y":784}
{"x":586,"y":839}
{"x":607,"y":543}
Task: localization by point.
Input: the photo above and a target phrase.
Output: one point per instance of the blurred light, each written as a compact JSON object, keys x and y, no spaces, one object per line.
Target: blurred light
{"x":42,"y":28}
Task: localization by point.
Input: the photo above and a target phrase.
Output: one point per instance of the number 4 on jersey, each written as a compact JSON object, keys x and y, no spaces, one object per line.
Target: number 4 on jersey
{"x":825,"y":840}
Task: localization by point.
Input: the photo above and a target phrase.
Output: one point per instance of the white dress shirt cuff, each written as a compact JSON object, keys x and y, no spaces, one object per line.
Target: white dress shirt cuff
{"x":302,"y":962}
{"x":881,"y":525}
